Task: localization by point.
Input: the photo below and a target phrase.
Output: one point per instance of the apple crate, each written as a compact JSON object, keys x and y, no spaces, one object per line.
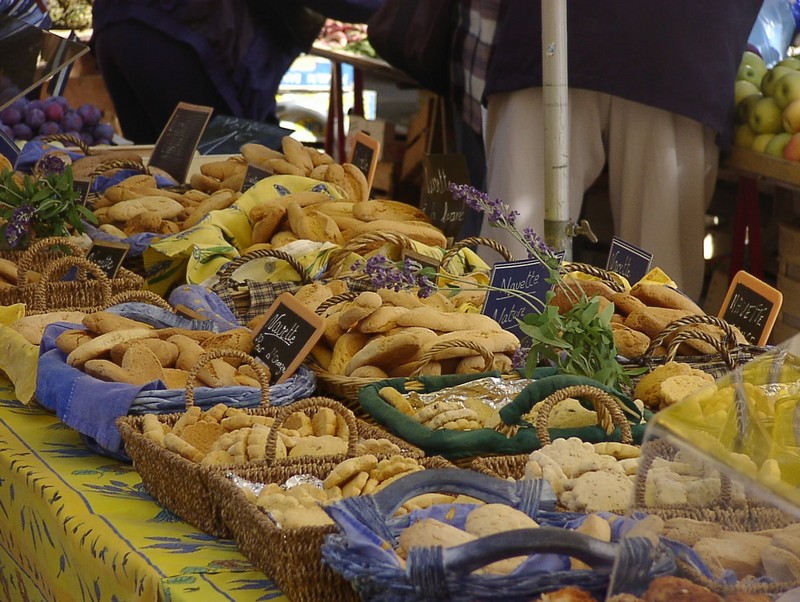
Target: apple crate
{"x":789,"y":245}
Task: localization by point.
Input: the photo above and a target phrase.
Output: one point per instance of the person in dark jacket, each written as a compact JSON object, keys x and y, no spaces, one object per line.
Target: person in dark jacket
{"x":650,"y":95}
{"x":226,"y":54}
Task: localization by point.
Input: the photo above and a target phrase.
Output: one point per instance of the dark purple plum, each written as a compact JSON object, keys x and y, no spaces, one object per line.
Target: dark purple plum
{"x":71,"y":121}
{"x":49,"y":128}
{"x":54,"y":111}
{"x":11,"y":116}
{"x":22,"y":131}
{"x":103,"y":130}
{"x":90,"y":114}
{"x":35,"y":118}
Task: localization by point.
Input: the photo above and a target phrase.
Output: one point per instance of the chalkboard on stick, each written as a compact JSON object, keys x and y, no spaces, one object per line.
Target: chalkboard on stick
{"x":439,"y":171}
{"x":628,"y":260}
{"x":108,"y":256}
{"x":365,"y":155}
{"x":752,"y":306}
{"x":284,"y":336}
{"x":177,"y":143}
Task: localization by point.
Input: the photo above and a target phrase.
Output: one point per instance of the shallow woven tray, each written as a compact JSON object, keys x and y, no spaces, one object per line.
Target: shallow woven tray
{"x":182,"y":486}
{"x":290,"y":557}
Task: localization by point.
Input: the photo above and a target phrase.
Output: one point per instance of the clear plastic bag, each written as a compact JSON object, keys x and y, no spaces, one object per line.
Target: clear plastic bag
{"x":774,"y":30}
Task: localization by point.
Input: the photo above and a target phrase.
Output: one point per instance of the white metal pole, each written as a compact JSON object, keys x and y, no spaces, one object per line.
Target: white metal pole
{"x":556,"y":126}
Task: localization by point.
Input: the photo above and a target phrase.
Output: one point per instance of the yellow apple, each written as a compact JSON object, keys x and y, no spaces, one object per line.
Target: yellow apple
{"x":751,"y":68}
{"x":790,"y":61}
{"x":776,"y":146}
{"x":742,"y":89}
{"x":771,"y":78}
{"x":766,"y":116}
{"x":760,"y":142}
{"x":792,"y":149}
{"x":787,"y":89}
{"x":745,"y":107}
{"x":791,"y":117}
{"x":743,"y":136}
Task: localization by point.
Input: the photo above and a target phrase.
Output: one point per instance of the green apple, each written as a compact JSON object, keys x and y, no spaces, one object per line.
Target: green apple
{"x":787,"y":89}
{"x":790,"y":61}
{"x":745,"y":107}
{"x":772,"y":77}
{"x":792,"y":149}
{"x":752,"y":68}
{"x":791,"y":116}
{"x":760,"y":142}
{"x":778,"y":143}
{"x":766,"y":116}
{"x":742,"y":89}
{"x":743,"y":136}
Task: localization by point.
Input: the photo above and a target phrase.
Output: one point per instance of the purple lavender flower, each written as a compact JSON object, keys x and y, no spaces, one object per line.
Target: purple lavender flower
{"x":403,"y":275}
{"x":51,"y":164}
{"x":18,"y":225}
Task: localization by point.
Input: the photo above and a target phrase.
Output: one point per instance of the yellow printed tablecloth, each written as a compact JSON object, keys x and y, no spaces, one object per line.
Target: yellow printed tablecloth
{"x":78,"y":526}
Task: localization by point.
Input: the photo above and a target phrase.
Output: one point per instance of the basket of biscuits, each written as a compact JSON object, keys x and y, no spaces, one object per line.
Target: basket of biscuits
{"x":274,"y":510}
{"x":495,"y":540}
{"x":53,"y":274}
{"x":175,"y":453}
{"x":466,"y":417}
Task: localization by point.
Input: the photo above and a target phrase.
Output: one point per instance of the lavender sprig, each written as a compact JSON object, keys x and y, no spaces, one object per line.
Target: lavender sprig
{"x":19,"y":224}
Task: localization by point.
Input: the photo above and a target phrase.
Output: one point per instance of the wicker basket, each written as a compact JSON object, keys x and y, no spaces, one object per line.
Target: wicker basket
{"x":176,"y":483}
{"x":290,"y":557}
{"x":727,"y":512}
{"x":49,"y":294}
{"x":249,"y":300}
{"x":182,"y":486}
{"x":361,"y":245}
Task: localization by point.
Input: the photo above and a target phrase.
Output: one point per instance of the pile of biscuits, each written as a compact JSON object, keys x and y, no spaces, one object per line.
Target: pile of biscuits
{"x":137,"y":205}
{"x":669,"y":383}
{"x":313,"y":215}
{"x":396,"y":333}
{"x":9,"y":277}
{"x":301,"y":505}
{"x":450,"y":415}
{"x":587,"y":477}
{"x":114,"y":348}
{"x":227,"y":436}
{"x":641,"y":314}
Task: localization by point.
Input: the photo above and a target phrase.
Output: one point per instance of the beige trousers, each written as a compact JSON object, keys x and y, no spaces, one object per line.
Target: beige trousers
{"x":662,"y":172}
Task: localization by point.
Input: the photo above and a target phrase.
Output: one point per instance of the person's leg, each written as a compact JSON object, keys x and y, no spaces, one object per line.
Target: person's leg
{"x":514,"y":140}
{"x":662,"y":173}
{"x":146,"y":84}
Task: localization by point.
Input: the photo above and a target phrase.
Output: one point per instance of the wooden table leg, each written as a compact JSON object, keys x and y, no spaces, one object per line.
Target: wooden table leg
{"x":747,"y":230}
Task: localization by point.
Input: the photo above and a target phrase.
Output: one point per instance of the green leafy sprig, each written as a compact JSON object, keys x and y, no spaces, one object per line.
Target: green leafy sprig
{"x":39,"y":207}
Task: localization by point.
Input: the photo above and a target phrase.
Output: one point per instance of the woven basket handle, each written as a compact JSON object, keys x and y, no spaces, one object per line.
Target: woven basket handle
{"x":471,"y":242}
{"x":119,"y":164}
{"x":698,"y":335}
{"x":361,"y":244}
{"x":336,"y":300}
{"x":605,"y":406}
{"x":527,"y":495}
{"x":61,"y":265}
{"x":663,"y":449}
{"x":41,"y":246}
{"x":142,"y":296}
{"x":262,"y":373}
{"x":604,"y":275}
{"x":430,"y":354}
{"x":468,"y":557}
{"x":729,"y":338}
{"x":69,"y":139}
{"x":313,"y":403}
{"x":227,"y":272}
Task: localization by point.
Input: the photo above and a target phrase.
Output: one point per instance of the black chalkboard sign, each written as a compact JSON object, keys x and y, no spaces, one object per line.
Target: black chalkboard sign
{"x":436,"y":200}
{"x":9,"y":148}
{"x":252,"y":176}
{"x":627,"y":260}
{"x":528,"y":277}
{"x":365,"y":154}
{"x":82,"y":187}
{"x":177,"y":143}
{"x":752,"y":306}
{"x":226,"y":134}
{"x":108,"y":256}
{"x":285,"y":335}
